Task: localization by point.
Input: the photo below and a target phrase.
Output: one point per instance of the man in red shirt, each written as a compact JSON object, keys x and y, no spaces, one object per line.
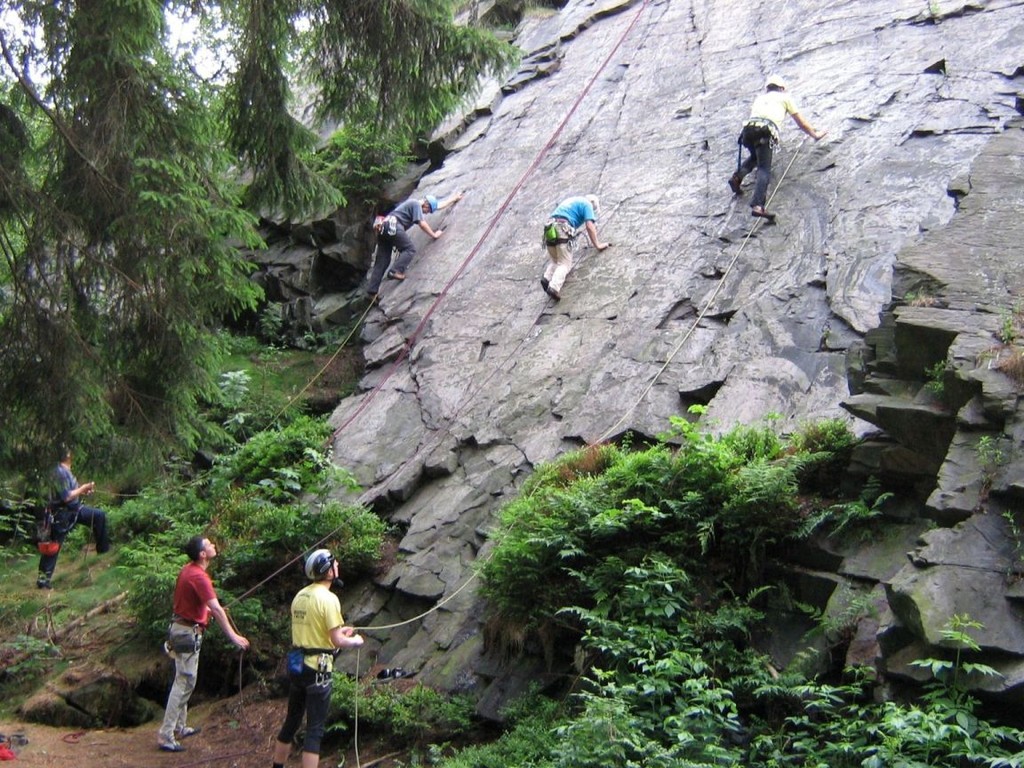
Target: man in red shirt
{"x":194,"y":601}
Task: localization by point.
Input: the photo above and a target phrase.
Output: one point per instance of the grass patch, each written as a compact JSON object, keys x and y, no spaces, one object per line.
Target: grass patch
{"x":33,"y":618}
{"x":315,"y":381}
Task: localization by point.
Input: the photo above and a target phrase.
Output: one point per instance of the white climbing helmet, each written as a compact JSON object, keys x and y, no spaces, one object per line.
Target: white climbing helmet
{"x":319,"y":564}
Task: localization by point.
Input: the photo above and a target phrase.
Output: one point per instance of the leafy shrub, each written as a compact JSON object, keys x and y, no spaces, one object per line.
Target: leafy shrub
{"x":750,"y":443}
{"x":529,"y":740}
{"x":829,"y":436}
{"x":152,"y":570}
{"x":263,"y":534}
{"x":359,"y":159}
{"x":249,"y":505}
{"x":840,"y":726}
{"x":415,"y":715}
{"x":285,"y":462}
{"x":836,"y":518}
{"x":824,"y":449}
{"x":648,"y":567}
{"x":29,"y":656}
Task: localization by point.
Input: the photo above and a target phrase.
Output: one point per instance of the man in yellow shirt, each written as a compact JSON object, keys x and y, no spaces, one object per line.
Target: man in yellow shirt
{"x":318,"y":632}
{"x":760,"y":134}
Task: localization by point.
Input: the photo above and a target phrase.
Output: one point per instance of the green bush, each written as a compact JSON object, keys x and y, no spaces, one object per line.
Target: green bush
{"x":359,"y":159}
{"x":250,"y":506}
{"x":417,"y":715}
{"x":647,"y":564}
{"x":283,"y":462}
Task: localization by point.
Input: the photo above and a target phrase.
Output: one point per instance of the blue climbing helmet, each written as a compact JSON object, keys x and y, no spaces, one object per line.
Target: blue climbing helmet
{"x":432,"y":202}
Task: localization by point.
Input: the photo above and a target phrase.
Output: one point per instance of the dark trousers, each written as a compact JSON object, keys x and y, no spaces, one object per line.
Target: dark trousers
{"x":382,"y":257}
{"x":64,"y":521}
{"x":759,"y":145}
{"x":309,"y":694}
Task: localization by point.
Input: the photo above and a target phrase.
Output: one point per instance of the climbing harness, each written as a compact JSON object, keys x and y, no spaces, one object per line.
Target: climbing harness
{"x":558,"y":231}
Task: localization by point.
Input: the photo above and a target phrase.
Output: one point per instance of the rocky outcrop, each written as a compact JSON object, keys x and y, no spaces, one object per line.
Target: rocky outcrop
{"x":89,"y":697}
{"x":941,"y":377}
{"x":474,"y":375}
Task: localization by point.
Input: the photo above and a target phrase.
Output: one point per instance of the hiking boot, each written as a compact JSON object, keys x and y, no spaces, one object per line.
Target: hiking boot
{"x":43,"y":583}
{"x":170,"y":746}
{"x":734,"y":184}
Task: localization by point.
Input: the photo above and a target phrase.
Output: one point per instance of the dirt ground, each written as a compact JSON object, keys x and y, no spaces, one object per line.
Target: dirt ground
{"x":235,"y":734}
{"x":237,"y":731}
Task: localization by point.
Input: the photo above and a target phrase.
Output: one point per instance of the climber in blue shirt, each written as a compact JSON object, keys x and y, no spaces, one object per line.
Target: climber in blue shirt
{"x":560,"y":233}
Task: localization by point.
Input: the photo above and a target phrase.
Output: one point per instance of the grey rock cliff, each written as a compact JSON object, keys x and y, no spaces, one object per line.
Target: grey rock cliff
{"x":474,"y":375}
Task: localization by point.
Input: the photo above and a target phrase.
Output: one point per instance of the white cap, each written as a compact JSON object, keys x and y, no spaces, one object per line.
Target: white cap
{"x":775,"y":80}
{"x":595,"y":204}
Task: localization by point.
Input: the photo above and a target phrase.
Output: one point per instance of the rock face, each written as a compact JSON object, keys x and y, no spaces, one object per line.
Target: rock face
{"x":89,"y":697}
{"x":474,"y":375}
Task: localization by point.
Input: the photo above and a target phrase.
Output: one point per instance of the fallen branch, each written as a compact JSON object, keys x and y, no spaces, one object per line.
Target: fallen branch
{"x":103,"y":607}
{"x":57,"y":636}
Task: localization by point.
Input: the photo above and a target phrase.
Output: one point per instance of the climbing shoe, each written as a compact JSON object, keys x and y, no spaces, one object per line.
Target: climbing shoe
{"x":553,"y":293}
{"x":544,"y":284}
{"x":734,"y":184}
{"x":393,"y":275}
{"x":761,"y":213}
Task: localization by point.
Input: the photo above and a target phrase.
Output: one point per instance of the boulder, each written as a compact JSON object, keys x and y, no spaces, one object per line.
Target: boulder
{"x":89,"y":696}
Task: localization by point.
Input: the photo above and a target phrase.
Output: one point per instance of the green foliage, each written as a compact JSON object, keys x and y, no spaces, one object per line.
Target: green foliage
{"x":122,"y":227}
{"x":529,"y":740}
{"x":1008,"y":328}
{"x":285,"y":462}
{"x":840,"y":726}
{"x":32,"y":656}
{"x":255,"y":505}
{"x":825,"y":436}
{"x":823,"y":449}
{"x":658,"y":551}
{"x":936,"y":374}
{"x":152,"y":570}
{"x":657,"y":662}
{"x":400,"y":66}
{"x":702,"y":498}
{"x":415,"y":715}
{"x":751,"y":443}
{"x":991,"y":456}
{"x":133,"y":181}
{"x":360,"y":160}
{"x":837,"y":518}
{"x":263,"y":134}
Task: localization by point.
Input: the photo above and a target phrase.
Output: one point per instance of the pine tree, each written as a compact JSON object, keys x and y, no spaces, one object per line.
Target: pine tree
{"x":121,"y":213}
